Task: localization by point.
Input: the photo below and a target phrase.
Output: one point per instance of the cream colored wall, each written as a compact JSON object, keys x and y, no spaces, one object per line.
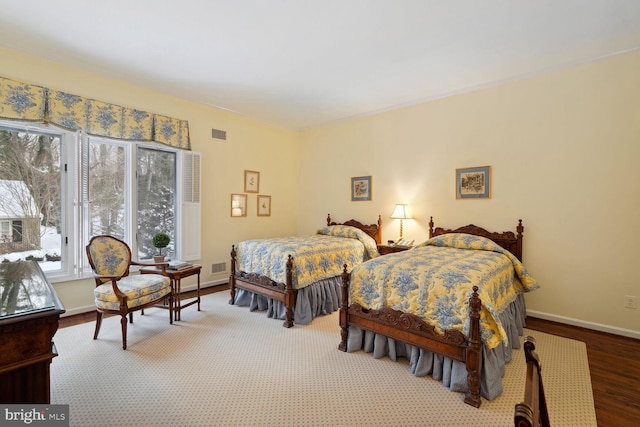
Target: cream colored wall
{"x":564,"y":150}
{"x":251,"y":145}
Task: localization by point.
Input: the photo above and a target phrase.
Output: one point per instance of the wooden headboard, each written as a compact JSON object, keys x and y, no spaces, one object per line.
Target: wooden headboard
{"x":373,"y":230}
{"x":507,"y":239}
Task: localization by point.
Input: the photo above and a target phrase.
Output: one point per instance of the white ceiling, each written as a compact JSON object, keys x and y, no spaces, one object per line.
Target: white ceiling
{"x":304,"y":63}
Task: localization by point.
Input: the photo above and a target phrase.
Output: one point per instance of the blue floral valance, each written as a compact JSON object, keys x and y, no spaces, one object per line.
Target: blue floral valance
{"x":171,"y":131}
{"x":21,"y":101}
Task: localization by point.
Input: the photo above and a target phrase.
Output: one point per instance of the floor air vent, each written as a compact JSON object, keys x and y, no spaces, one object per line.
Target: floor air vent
{"x":220,"y":267}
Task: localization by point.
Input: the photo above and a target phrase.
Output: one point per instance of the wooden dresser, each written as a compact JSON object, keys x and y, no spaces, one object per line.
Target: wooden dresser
{"x":29,"y":314}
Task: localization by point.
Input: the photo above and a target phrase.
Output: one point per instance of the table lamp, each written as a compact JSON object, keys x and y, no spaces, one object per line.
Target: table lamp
{"x":401,"y":211}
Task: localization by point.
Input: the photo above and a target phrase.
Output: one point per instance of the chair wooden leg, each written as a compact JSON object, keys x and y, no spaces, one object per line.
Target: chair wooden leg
{"x":123,"y":322}
{"x":130,"y":317}
{"x":171,"y":307}
{"x":98,"y":324}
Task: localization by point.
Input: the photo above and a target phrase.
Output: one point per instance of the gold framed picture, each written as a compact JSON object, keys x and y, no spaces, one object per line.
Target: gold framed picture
{"x":264,"y":205}
{"x":238,"y":205}
{"x":251,"y":181}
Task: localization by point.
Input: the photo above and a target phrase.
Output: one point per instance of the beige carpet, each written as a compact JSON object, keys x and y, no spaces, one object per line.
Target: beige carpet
{"x":226,"y":366}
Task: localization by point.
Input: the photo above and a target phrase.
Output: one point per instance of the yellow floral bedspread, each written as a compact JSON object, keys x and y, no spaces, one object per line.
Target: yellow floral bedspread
{"x":435,"y":279}
{"x":316,"y":257}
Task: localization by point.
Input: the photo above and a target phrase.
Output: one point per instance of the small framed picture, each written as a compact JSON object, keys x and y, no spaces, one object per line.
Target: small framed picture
{"x":360,"y":188}
{"x":473,"y":183}
{"x":251,"y":182}
{"x":238,"y":205}
{"x":264,"y":205}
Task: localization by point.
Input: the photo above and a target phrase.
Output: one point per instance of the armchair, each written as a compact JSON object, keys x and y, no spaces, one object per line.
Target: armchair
{"x":116,"y":291}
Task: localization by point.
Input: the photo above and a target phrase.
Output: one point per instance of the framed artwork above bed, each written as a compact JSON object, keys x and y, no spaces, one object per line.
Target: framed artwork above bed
{"x":473,"y":183}
{"x":360,"y":188}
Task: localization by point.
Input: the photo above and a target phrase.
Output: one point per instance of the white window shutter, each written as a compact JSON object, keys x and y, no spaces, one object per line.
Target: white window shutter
{"x":191,"y":235}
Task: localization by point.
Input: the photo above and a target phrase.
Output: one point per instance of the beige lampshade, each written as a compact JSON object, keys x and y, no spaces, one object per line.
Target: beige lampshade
{"x":401,"y":211}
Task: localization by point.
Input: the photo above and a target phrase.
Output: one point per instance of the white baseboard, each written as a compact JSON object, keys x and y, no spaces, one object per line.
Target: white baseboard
{"x":194,"y":286}
{"x":89,"y":308}
{"x":78,"y":310}
{"x":584,"y":324}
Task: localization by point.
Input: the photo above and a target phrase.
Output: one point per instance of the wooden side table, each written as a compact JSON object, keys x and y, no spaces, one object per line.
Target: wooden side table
{"x":386,"y":249}
{"x":176,"y":276}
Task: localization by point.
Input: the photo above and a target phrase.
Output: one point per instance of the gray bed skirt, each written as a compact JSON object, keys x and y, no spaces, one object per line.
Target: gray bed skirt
{"x":453,"y":374}
{"x":321,"y":298}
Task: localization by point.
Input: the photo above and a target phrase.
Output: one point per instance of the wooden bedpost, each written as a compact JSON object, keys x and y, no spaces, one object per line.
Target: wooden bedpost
{"x":519,"y":229}
{"x":474,"y":355}
{"x":431,"y":227}
{"x":533,"y":410}
{"x":289,"y":295}
{"x":232,"y":276}
{"x":328,"y":220}
{"x":344,"y":310}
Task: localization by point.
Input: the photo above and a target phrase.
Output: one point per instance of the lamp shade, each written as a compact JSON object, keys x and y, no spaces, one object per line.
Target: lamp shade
{"x":401,"y":211}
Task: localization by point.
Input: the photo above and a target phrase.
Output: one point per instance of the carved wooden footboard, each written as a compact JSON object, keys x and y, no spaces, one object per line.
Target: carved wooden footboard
{"x":532,"y":412}
{"x":263,"y":285}
{"x":411,"y":329}
{"x":285,"y":292}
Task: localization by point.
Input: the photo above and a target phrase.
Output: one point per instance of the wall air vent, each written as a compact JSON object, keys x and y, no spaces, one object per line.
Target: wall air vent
{"x":219,"y":134}
{"x":220,"y":267}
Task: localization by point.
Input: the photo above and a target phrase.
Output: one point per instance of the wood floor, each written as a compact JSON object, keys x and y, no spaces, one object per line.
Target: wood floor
{"x":614,"y":363}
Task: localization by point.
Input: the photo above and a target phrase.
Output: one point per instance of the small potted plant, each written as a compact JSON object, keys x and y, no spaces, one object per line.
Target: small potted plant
{"x":160,"y":241}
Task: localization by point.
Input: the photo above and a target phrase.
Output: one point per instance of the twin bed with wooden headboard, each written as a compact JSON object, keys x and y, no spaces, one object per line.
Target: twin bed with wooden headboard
{"x":453,"y":306}
{"x":299,"y":278}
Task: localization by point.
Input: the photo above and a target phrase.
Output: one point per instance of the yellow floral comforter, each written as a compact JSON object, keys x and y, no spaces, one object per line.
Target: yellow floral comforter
{"x":316,"y":257}
{"x":435,"y":279}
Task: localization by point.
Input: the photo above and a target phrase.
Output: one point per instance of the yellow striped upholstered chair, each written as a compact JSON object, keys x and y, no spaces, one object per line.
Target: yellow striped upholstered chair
{"x":116,"y":291}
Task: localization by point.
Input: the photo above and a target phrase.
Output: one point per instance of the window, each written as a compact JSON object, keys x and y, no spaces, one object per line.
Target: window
{"x":156,"y":199}
{"x":108,"y":200}
{"x":5,"y":231}
{"x":114,"y":204}
{"x":58,"y":189}
{"x":16,"y":231}
{"x":11,"y":231}
{"x":31,"y":188}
